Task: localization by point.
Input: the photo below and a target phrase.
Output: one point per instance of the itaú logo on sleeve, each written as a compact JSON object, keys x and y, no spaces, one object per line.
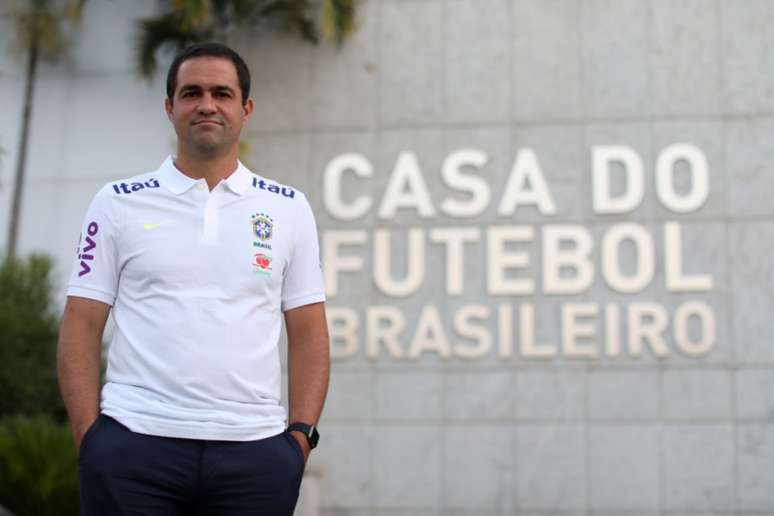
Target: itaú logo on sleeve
{"x":260,"y":184}
{"x":85,"y":255}
{"x":125,"y":188}
{"x":261,"y":264}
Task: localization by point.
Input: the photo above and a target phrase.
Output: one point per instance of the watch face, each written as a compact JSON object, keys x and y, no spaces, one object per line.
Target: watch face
{"x":314,"y":436}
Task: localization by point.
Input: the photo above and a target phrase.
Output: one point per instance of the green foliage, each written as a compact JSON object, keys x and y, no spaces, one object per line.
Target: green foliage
{"x":41,"y":24}
{"x":28,"y":334}
{"x":38,"y":467}
{"x":338,"y":19}
{"x":183,"y":22}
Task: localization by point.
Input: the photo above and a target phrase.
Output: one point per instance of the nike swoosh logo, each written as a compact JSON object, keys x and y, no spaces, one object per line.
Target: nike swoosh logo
{"x":150,"y":226}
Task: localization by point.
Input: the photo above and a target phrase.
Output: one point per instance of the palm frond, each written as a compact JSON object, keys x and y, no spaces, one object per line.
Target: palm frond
{"x":192,"y":14}
{"x":155,"y":34}
{"x":301,"y":18}
{"x":74,"y":10}
{"x":47,"y":26}
{"x":40,"y":27}
{"x":273,"y":7}
{"x":308,"y":30}
{"x":338,"y":20}
{"x":188,"y":21}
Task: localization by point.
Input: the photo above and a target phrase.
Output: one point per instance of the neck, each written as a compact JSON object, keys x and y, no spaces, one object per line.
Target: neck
{"x":213,"y":168}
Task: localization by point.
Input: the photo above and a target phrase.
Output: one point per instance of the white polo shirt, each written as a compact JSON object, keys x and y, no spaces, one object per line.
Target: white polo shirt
{"x":198,"y":281}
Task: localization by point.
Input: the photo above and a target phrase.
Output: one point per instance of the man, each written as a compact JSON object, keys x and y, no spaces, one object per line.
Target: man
{"x":198,"y":260}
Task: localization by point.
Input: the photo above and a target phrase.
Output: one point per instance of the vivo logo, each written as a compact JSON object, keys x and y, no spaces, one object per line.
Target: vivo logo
{"x":262,"y":185}
{"x":85,"y":256}
{"x":133,"y":187}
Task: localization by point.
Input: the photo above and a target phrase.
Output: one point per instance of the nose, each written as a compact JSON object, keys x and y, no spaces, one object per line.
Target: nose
{"x":206,"y":104}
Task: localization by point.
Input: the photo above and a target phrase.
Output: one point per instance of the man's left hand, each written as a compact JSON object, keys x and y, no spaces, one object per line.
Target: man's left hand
{"x":303,"y":442}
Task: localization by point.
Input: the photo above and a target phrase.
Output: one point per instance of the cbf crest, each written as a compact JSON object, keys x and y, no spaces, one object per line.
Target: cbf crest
{"x":263,"y":230}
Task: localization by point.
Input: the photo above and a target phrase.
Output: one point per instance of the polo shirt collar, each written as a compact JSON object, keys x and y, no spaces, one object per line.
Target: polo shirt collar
{"x":179,"y":183}
{"x":240,"y":179}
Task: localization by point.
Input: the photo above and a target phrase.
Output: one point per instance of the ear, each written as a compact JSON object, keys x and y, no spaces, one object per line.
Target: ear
{"x":247,"y":110}
{"x":168,"y":108}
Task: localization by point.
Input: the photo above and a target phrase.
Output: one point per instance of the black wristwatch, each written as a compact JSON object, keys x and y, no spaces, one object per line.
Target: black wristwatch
{"x":310,"y":431}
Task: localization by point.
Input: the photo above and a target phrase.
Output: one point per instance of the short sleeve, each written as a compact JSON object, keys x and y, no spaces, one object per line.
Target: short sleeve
{"x":95,"y":270}
{"x":303,"y":281}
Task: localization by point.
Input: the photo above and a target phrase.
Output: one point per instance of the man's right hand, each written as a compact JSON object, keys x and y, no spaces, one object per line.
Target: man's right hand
{"x":78,"y":361}
{"x":80,"y":432}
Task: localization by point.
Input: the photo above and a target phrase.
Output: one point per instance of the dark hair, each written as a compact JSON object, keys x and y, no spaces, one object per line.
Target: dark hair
{"x":209,"y":49}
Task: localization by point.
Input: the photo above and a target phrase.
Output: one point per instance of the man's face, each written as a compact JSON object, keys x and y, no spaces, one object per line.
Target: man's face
{"x":207,"y":109}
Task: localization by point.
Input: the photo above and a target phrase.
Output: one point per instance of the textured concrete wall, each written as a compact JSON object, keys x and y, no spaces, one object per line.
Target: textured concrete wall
{"x":491,"y":436}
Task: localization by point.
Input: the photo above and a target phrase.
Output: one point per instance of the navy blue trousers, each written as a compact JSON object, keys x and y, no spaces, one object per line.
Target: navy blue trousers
{"x":126,"y":473}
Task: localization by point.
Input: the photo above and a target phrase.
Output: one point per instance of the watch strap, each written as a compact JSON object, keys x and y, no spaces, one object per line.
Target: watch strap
{"x":310,"y":431}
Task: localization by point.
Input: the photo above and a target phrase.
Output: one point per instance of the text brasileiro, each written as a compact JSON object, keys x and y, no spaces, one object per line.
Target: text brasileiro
{"x":518,"y":261}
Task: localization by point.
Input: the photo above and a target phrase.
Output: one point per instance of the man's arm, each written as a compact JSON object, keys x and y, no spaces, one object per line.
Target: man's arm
{"x":308,"y":365}
{"x":78,"y":361}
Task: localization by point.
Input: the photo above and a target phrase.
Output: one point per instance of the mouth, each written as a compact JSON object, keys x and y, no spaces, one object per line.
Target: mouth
{"x":207,"y":122}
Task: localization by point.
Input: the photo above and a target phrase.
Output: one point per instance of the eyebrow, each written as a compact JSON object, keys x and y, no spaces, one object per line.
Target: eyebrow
{"x":196,"y":87}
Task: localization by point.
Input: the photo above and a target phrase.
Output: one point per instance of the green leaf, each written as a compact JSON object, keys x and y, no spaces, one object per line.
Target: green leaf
{"x":158,"y":33}
{"x":38,"y":467}
{"x":28,"y":334}
{"x":187,"y":21}
{"x":338,"y":20}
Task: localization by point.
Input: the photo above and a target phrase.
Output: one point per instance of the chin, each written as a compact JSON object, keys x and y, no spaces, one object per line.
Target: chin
{"x":207,"y":145}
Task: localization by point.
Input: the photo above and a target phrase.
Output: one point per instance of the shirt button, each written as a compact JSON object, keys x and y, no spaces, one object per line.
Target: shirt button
{"x":200,"y":186}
